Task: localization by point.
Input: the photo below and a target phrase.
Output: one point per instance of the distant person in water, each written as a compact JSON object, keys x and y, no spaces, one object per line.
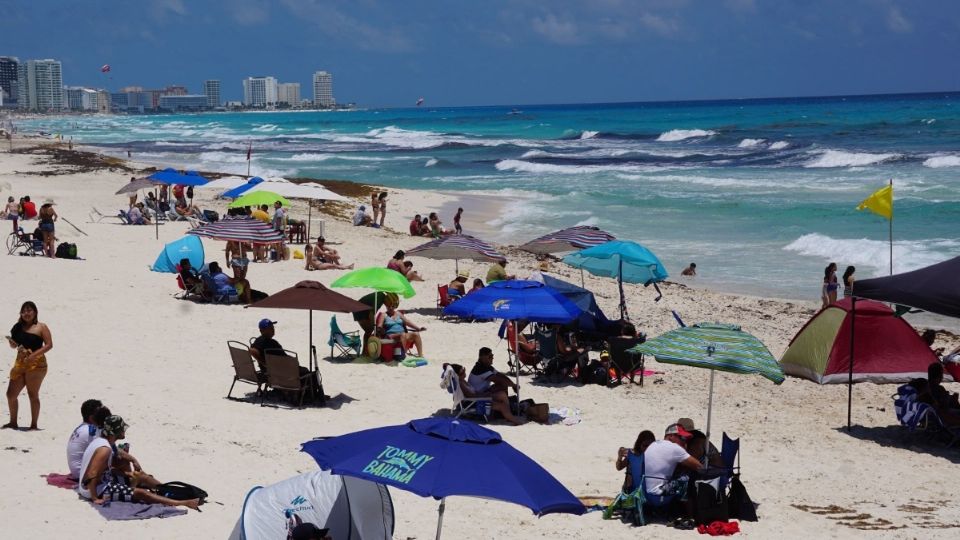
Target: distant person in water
{"x":830,"y":285}
{"x":848,"y":280}
{"x":690,"y":270}
{"x":456,"y":221}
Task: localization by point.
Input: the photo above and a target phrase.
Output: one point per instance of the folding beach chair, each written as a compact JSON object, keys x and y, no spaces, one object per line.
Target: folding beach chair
{"x":345,"y":343}
{"x":626,"y":364}
{"x":528,"y":363}
{"x":97,"y":216}
{"x":730,"y":456}
{"x":546,"y":337}
{"x":633,"y":502}
{"x":462,"y":404}
{"x":284,"y":373}
{"x":443,"y":299}
{"x":24,"y":243}
{"x":244,"y":368}
{"x":216,"y":297}
{"x":919,"y":417}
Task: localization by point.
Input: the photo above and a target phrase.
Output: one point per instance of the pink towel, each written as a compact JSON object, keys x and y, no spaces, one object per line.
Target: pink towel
{"x":61,"y":481}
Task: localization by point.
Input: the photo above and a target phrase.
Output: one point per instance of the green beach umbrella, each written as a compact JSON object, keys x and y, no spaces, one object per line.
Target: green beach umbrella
{"x":377,"y":278}
{"x":257,"y":198}
{"x":715,"y":346}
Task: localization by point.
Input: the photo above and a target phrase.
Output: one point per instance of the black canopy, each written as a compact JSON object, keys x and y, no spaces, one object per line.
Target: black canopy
{"x":935,"y":288}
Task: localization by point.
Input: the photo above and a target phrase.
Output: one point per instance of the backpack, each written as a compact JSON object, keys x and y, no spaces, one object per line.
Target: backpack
{"x":211,"y":215}
{"x":740,"y":503}
{"x":190,"y":192}
{"x":180,"y":491}
{"x":710,"y":502}
{"x":595,"y":373}
{"x":66,"y":250}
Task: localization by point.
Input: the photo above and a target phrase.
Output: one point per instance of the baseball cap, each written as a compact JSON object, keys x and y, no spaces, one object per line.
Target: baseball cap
{"x":308,"y":531}
{"x":265,"y":323}
{"x":678,"y":430}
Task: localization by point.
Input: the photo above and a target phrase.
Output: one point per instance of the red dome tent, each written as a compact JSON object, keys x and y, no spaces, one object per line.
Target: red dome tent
{"x":888,"y":349}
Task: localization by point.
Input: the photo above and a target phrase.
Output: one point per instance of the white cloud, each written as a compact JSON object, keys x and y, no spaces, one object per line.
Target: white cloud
{"x":897,"y":22}
{"x":334,"y":23}
{"x":658,"y":24}
{"x":555,"y":29}
{"x":249,"y":12}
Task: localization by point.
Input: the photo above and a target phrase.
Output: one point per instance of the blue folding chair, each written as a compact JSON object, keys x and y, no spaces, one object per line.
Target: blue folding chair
{"x":730,"y":456}
{"x":346,"y":343}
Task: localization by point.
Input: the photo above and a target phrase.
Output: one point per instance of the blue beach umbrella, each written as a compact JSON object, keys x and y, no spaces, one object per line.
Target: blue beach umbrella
{"x":440,"y":457}
{"x":172,"y":176}
{"x":622,"y":259}
{"x":241,"y":189}
{"x":189,"y":247}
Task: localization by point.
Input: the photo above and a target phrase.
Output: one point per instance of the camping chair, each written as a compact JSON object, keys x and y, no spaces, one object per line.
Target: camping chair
{"x":527,"y":363}
{"x":546,"y":337}
{"x":626,"y":363}
{"x":443,"y":299}
{"x":346,"y":343}
{"x":196,"y":290}
{"x":97,"y":216}
{"x":631,"y":503}
{"x":27,"y":242}
{"x":243,"y":367}
{"x":730,"y":455}
{"x":917,"y":416}
{"x":462,"y":404}
{"x":283,"y":373}
{"x":217,"y":298}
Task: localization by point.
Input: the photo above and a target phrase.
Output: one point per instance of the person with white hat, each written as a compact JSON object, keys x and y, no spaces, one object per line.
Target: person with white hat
{"x":458,"y":287}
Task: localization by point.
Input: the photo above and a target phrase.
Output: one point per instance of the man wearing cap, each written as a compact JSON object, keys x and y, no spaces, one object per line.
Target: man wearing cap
{"x":100,"y":484}
{"x":661,"y":459}
{"x":265,"y":342}
{"x":458,"y":287}
{"x":498,"y":271}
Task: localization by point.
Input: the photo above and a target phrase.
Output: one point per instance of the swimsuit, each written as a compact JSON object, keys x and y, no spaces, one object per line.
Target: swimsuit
{"x":28,"y":343}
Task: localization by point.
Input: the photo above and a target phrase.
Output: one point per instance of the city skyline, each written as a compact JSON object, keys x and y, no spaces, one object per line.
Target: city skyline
{"x":501,"y":52}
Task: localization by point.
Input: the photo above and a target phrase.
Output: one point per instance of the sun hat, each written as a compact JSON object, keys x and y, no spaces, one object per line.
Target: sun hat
{"x":114,"y":425}
{"x":687,"y":424}
{"x":678,"y":430}
{"x":49,"y":200}
{"x":463,"y":274}
{"x":266,"y":323}
{"x":373,"y":347}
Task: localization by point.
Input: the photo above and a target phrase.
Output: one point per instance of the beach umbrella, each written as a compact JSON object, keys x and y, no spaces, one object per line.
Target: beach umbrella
{"x":623,"y":259}
{"x":309,"y":191}
{"x":188,"y":247}
{"x":516,"y":300}
{"x":258,"y":198}
{"x":227,"y":182}
{"x":571,"y":239}
{"x":310,"y":295}
{"x":442,"y":457}
{"x":378,"y":278}
{"x":456,"y":247}
{"x":138,"y":184}
{"x":239,"y":190}
{"x":171,"y":176}
{"x":717,"y":347}
{"x":239,"y":229}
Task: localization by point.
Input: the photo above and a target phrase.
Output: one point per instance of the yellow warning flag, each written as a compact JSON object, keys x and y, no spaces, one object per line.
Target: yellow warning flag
{"x":881,"y":202}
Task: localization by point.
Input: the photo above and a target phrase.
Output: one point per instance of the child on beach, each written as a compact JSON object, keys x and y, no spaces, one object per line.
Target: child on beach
{"x":456,"y":221}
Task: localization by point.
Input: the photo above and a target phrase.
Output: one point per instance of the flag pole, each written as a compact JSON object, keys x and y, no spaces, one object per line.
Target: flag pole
{"x":891,"y":226}
{"x":249,"y":151}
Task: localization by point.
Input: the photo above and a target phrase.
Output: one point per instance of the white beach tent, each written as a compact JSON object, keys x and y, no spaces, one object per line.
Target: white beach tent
{"x":350,"y":507}
{"x":223,"y":184}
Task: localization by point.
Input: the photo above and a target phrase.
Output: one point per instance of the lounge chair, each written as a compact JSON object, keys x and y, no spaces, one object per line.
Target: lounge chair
{"x":244,"y":368}
{"x":97,"y":216}
{"x":283,"y":373}
{"x":462,"y":404}
{"x":345,"y":343}
{"x":626,"y":364}
{"x":919,"y":417}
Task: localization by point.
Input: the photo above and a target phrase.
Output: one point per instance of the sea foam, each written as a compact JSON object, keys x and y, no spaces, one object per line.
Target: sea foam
{"x":681,"y":134}
{"x":751,"y":143}
{"x":839,"y":158}
{"x":874,"y":254}
{"x":939,"y":162}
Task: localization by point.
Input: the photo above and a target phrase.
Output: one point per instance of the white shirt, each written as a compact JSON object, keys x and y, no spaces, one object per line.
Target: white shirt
{"x":480,"y":383}
{"x":135,"y":215}
{"x":77,"y":445}
{"x":96,"y":444}
{"x":660,"y":460}
{"x":358,"y":217}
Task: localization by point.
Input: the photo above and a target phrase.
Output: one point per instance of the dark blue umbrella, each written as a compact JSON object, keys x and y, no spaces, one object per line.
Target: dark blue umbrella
{"x":171,"y":176}
{"x":241,"y":189}
{"x":440,"y":457}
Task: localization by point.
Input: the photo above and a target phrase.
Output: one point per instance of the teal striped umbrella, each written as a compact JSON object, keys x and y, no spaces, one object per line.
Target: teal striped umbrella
{"x":714,"y":346}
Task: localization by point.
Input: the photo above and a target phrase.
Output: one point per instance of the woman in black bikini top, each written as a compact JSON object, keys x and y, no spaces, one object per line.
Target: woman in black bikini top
{"x":32,"y":340}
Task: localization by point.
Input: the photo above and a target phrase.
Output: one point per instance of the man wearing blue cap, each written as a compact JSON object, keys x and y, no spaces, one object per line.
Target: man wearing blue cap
{"x":265,"y":342}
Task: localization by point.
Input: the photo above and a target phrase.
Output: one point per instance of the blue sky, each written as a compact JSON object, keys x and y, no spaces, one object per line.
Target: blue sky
{"x":460,"y":52}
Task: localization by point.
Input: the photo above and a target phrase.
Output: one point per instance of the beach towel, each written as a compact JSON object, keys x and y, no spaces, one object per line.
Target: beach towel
{"x":124,"y":511}
{"x":565,"y":415}
{"x":719,"y":528}
{"x":61,"y":480}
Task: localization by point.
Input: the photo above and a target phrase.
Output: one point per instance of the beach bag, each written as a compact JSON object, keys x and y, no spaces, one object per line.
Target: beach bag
{"x":739,"y":502}
{"x":211,"y":216}
{"x":710,"y":502}
{"x":539,"y":412}
{"x":66,"y":250}
{"x":180,"y":491}
{"x":595,"y":373}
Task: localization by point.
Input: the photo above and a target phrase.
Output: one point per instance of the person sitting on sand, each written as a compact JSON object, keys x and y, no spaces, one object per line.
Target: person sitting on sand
{"x":99,"y":484}
{"x":137,"y":216}
{"x":690,"y":270}
{"x":498,"y":271}
{"x":393,"y":324}
{"x":414,"y":225}
{"x":229,"y":286}
{"x":425,"y":227}
{"x":185,"y":209}
{"x":322,"y":257}
{"x":499,"y":401}
{"x":485,"y":379}
{"x":477,"y":285}
{"x":409,"y":272}
{"x":123,"y":462}
{"x":82,"y":435}
{"x":458,"y":287}
{"x":436,"y":226}
{"x":29,"y":208}
{"x":624,"y":455}
{"x":361,"y":218}
{"x":367,"y":318}
{"x":664,"y":482}
{"x":396,"y":263}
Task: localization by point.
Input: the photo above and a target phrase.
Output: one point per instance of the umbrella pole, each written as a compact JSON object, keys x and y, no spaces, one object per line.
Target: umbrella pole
{"x":309,"y":219}
{"x":310,"y":350}
{"x":623,"y":300}
{"x":156,"y":217}
{"x":706,"y":453}
{"x":853,"y":321}
{"x":581,"y":278}
{"x":443,"y":506}
{"x":516,"y":363}
{"x":456,"y":266}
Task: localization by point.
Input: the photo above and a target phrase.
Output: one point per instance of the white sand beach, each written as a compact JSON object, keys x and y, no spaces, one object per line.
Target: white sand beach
{"x":162,"y":364}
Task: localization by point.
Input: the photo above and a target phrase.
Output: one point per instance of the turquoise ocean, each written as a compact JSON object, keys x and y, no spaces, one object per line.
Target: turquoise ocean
{"x":760,"y":193}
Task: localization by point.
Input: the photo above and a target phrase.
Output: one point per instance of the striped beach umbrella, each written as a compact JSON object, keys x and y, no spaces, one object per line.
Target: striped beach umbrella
{"x":570,"y":239}
{"x":240,"y":229}
{"x":456,"y":247}
{"x":717,"y":347}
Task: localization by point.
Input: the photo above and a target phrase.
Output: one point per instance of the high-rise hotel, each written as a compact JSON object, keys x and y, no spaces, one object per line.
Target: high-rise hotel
{"x":40,"y":86}
{"x":323,"y":89}
{"x":259,"y":91}
{"x":211,"y":89}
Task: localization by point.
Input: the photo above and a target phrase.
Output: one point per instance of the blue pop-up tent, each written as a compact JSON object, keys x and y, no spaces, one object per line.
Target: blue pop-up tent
{"x":172,"y":176}
{"x":592,"y":318}
{"x":189,"y":247}
{"x":241,"y":189}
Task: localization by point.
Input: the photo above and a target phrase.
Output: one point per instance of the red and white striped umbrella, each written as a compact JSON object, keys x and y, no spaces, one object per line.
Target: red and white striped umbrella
{"x":571,"y":239}
{"x":457,"y":246}
{"x":243,"y":229}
